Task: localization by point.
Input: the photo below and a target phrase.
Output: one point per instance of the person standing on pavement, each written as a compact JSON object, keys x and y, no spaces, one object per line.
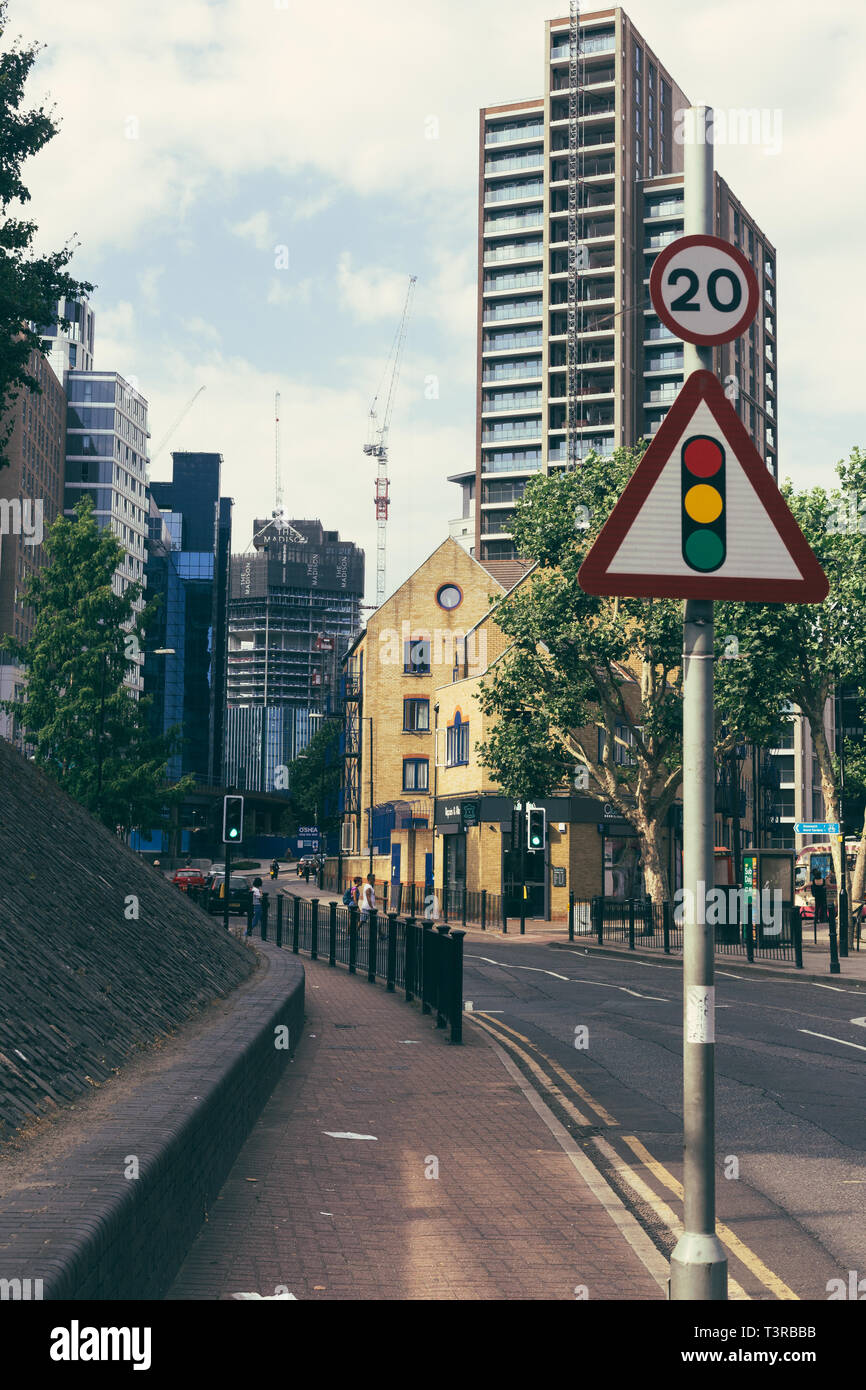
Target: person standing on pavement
{"x":256,"y":920}
{"x":819,"y":893}
{"x":368,"y":898}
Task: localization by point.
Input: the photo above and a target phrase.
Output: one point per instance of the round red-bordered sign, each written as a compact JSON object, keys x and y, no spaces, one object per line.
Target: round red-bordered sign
{"x":704,"y":290}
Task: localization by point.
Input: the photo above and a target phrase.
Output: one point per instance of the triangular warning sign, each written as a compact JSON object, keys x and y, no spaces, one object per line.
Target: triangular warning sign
{"x":702,"y":517}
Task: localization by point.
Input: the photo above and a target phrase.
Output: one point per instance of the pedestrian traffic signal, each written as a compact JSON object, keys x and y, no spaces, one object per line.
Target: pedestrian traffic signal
{"x":233,"y":820}
{"x":702,"y":471}
{"x":535,"y":827}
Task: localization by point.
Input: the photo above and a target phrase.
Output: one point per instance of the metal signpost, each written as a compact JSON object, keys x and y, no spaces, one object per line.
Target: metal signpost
{"x":737,"y":540}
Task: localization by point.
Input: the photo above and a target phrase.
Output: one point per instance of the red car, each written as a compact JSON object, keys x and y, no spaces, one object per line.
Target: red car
{"x":188,"y":878}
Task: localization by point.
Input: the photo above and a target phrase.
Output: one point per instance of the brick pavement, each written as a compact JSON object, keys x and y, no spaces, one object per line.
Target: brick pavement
{"x":507,"y":1218}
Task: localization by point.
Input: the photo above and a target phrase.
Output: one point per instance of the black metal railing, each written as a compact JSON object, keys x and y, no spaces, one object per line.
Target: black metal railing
{"x":739,"y":929}
{"x":422,"y":958}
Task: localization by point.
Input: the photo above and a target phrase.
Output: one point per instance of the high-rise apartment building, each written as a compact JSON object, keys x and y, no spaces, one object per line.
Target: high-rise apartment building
{"x":71,"y":348}
{"x":295,"y":607}
{"x":106,"y":456}
{"x":629,"y":205}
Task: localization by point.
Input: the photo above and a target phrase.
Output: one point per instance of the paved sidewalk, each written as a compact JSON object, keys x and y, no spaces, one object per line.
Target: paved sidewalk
{"x":508,"y":1216}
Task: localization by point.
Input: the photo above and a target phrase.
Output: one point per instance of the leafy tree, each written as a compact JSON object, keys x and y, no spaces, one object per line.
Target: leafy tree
{"x":78,"y":715}
{"x":798,"y":653}
{"x":30,"y":285}
{"x":588,"y":694}
{"x":314,"y":781}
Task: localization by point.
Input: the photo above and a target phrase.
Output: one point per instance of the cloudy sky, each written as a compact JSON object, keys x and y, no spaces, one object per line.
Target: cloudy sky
{"x":200,"y":137}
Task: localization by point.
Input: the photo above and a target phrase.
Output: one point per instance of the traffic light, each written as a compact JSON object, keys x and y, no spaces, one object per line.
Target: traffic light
{"x":702,"y":472}
{"x":536,"y":818}
{"x":233,"y":820}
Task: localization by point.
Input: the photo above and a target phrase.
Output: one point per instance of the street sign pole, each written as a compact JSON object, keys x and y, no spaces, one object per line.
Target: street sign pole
{"x":699,"y":1268}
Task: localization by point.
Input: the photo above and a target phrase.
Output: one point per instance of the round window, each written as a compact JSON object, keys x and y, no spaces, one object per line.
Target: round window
{"x":449,"y":596}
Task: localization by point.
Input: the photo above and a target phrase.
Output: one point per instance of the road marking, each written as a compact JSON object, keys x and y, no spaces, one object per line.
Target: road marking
{"x":569,"y":979}
{"x":536,"y":1070}
{"x":628,"y":1226}
{"x":835,"y":988}
{"x":506,"y":965}
{"x":746,"y":1256}
{"x":564,"y":1076}
{"x":861,"y":1022}
{"x":603,"y":984}
{"x":728,"y":976}
{"x":346,"y":1134}
{"x":743,"y":1253}
{"x":828,"y":1038}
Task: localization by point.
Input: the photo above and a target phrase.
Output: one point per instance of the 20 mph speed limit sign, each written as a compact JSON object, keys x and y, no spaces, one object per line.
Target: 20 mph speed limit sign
{"x":704,"y":290}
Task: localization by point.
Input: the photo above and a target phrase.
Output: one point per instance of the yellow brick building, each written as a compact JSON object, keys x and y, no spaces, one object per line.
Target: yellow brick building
{"x":440,"y":826}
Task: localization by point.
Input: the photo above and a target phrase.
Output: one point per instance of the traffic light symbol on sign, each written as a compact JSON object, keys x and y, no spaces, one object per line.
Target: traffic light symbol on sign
{"x":704,"y":527}
{"x":233,"y":820}
{"x":535,"y":828}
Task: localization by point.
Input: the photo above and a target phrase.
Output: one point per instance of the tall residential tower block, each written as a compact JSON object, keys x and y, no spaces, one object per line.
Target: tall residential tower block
{"x":629,"y":205}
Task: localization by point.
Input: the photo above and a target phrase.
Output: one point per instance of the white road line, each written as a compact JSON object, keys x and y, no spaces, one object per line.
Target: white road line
{"x":605,"y":984}
{"x":506,"y":965}
{"x":861,"y":1022}
{"x":569,"y":979}
{"x":828,"y":1038}
{"x":835,"y":988}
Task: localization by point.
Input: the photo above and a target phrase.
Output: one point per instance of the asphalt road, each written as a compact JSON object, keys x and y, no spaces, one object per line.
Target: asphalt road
{"x":790,"y":1112}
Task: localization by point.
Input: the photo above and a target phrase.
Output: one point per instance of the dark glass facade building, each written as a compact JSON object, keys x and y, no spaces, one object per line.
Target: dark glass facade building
{"x":188,"y":566}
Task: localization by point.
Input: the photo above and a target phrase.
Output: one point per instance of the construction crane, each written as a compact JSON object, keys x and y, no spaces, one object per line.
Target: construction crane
{"x":574,"y":386}
{"x":170,"y":431}
{"x":377,"y":444}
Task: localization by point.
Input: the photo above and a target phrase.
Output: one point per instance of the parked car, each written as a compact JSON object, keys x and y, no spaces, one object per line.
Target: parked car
{"x":217,"y":867}
{"x":240,"y":893}
{"x":184,"y":879}
{"x":313,"y":862}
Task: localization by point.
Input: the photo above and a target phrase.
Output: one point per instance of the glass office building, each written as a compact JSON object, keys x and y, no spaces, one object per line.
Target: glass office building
{"x":188,"y":565}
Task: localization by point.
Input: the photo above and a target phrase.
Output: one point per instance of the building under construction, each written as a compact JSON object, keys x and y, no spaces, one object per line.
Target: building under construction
{"x":295,"y":607}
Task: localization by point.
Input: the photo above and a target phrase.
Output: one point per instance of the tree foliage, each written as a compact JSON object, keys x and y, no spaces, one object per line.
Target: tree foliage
{"x":588,"y":696}
{"x":798,"y":653}
{"x":314,"y":781}
{"x":79,"y":718}
{"x":30,"y":284}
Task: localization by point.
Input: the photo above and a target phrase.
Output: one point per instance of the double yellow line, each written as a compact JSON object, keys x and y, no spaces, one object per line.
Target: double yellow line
{"x":528,"y":1053}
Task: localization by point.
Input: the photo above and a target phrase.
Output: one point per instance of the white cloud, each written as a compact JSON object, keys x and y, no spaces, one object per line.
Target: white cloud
{"x":305,"y":209}
{"x":285,"y":291}
{"x":199,"y":328}
{"x":255,"y":229}
{"x":371,"y":293}
{"x":323,"y":430}
{"x":148,"y":287}
{"x":341,"y":103}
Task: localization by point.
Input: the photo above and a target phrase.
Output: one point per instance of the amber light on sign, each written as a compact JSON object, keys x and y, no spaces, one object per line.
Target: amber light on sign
{"x":703,"y":503}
